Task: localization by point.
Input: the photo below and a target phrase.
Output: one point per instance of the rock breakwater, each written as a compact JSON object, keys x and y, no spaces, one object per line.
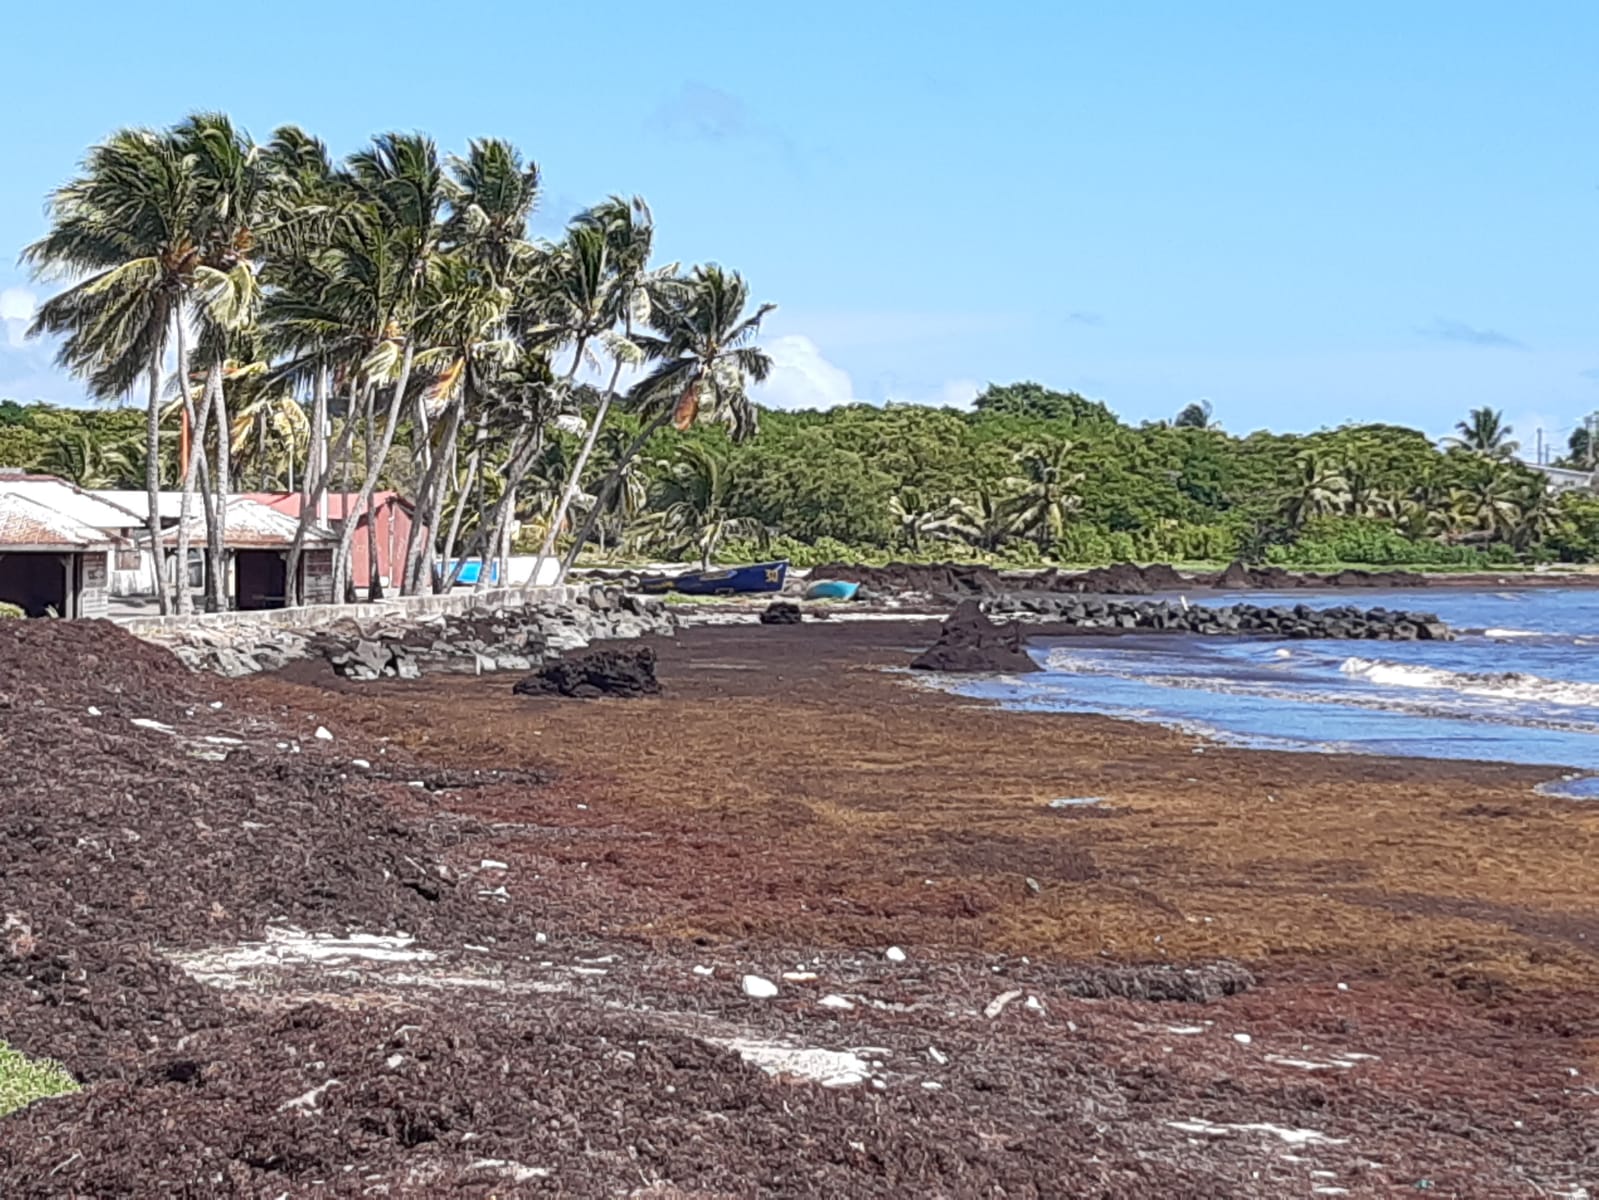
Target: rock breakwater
{"x":1346,"y":621}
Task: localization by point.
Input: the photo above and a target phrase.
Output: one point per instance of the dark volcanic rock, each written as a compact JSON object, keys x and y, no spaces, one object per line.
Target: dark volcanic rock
{"x":969,"y":641}
{"x":621,"y":672}
{"x":781,"y":612}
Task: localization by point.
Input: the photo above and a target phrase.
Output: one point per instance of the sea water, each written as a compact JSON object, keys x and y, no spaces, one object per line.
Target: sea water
{"x":1519,"y":684}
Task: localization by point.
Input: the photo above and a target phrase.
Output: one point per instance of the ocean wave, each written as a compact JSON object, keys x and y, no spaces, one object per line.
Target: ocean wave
{"x":1505,"y":685}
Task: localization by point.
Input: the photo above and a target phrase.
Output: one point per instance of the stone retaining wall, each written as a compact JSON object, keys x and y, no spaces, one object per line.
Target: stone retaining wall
{"x":316,"y":616}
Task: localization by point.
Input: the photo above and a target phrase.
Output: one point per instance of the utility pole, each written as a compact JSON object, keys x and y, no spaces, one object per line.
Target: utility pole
{"x":1539,"y":459}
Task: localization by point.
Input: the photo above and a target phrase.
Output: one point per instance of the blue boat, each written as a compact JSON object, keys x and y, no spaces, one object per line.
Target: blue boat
{"x":720,"y":581}
{"x":471,"y":569}
{"x":831,"y":589}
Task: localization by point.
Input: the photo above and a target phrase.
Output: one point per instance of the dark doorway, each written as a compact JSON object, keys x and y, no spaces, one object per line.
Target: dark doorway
{"x":35,"y":583}
{"x":262,"y":578}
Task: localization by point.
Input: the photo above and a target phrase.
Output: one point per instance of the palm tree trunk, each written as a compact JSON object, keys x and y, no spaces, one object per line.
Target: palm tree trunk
{"x":216,"y":598}
{"x":608,"y":487}
{"x":311,"y":505}
{"x":152,"y":485}
{"x":196,"y":442}
{"x":374,"y":583}
{"x":497,"y":548}
{"x":575,"y":479}
{"x":374,"y":465}
{"x":425,"y":521}
{"x":472,"y":485}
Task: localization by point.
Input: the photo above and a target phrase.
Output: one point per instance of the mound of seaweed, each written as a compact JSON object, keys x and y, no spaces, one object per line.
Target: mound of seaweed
{"x":969,"y":642}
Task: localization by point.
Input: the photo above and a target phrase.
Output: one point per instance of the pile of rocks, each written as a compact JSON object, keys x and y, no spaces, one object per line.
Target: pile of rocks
{"x":1290,"y":621}
{"x":405,"y":645}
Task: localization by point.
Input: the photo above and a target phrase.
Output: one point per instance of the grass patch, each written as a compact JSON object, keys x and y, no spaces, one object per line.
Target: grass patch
{"x":24,"y":1080}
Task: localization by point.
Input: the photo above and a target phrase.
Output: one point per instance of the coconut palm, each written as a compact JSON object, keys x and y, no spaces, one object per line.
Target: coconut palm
{"x":234,"y":184}
{"x":123,"y":233}
{"x":984,"y":521}
{"x":270,"y":431}
{"x":1047,"y":491}
{"x":1319,"y":490}
{"x":74,"y":454}
{"x":694,"y":504}
{"x":1491,"y":503}
{"x":1536,"y":516}
{"x":632,"y":290}
{"x":705,"y":357}
{"x":1484,"y":432}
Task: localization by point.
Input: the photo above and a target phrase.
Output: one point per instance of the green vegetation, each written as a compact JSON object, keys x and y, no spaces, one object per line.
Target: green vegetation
{"x":10,"y":612}
{"x":1028,"y":477}
{"x":24,"y":1080}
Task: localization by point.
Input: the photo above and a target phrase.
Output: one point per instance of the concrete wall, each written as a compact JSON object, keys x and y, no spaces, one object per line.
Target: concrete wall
{"x":317,"y":615}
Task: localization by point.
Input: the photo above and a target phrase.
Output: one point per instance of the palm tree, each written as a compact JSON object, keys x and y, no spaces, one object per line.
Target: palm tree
{"x":74,"y":454}
{"x":1491,"y":502}
{"x":693,"y":504}
{"x":1047,"y":489}
{"x":236,"y":206}
{"x":1319,"y":490}
{"x":1536,"y":517}
{"x":705,"y":356}
{"x":491,"y":194}
{"x":1483,"y":432}
{"x":628,"y":233}
{"x":123,"y":233}
{"x":985,"y":521}
{"x":270,"y":430}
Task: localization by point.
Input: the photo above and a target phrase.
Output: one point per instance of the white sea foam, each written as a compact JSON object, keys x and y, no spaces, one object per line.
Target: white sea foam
{"x":1506,"y":685}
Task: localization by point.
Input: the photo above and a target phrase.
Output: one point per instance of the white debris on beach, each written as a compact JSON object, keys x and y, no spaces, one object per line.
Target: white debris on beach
{"x":758,"y":988}
{"x":230,"y":966}
{"x":830,"y":1068}
{"x":998,"y":1003}
{"x":1294,"y":1137}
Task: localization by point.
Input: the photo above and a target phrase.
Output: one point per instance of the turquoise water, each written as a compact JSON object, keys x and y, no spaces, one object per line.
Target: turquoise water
{"x":1520,"y":683}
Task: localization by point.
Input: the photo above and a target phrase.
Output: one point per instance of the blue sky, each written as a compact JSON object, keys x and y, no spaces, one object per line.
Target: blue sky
{"x":1304,"y":213}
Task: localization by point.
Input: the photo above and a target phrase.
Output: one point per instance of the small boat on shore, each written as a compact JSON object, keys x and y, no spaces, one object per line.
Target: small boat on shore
{"x":720,"y":581}
{"x":832,"y":589}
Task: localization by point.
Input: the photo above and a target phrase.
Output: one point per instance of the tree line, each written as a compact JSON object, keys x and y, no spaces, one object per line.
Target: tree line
{"x":1028,"y":476}
{"x":387,"y":319}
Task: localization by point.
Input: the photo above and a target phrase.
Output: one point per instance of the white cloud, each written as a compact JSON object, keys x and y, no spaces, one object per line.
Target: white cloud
{"x":16,"y":310}
{"x":802,"y":378}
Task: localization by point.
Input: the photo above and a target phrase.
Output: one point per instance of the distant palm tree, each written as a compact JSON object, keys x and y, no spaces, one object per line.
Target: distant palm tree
{"x":705,"y":357}
{"x":1492,"y":503}
{"x":624,"y":234}
{"x":1484,"y":432}
{"x":77,"y":456}
{"x":985,"y":521}
{"x":1047,"y":491}
{"x":695,"y":512}
{"x":270,"y":430}
{"x":1319,"y":490}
